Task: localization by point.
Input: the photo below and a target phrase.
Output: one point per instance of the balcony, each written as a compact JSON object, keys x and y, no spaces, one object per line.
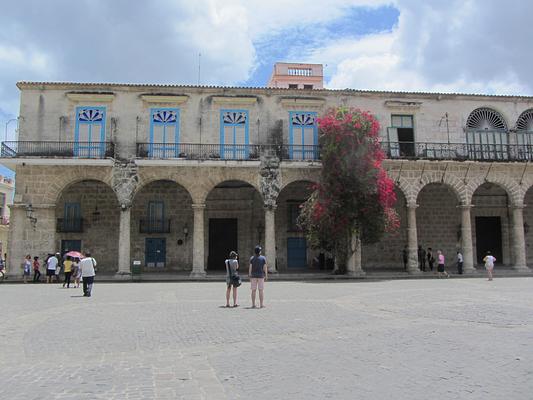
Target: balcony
{"x":74,"y":225}
{"x":196,"y":151}
{"x":457,"y":151}
{"x":154,"y":225}
{"x":58,"y":149}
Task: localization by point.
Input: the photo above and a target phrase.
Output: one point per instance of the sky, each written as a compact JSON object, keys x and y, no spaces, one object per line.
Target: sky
{"x":463,"y":46}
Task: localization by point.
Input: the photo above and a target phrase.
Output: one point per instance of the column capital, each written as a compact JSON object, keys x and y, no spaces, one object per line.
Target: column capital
{"x":465,"y":206}
{"x":517,"y":206}
{"x":198,"y":206}
{"x":412,"y":205}
{"x":270,"y":207}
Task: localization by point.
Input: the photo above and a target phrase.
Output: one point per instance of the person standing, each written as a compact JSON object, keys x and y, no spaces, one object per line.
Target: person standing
{"x":405,"y":257}
{"x":489,"y":261}
{"x":76,"y":272}
{"x":440,"y":265}
{"x":459,"y":263}
{"x":87,"y":265}
{"x":431,"y":259}
{"x":36,"y":269}
{"x":232,"y":277}
{"x":67,"y":267}
{"x":26,"y":268}
{"x":258,"y":273}
{"x":421,"y":259}
{"x":51,"y":266}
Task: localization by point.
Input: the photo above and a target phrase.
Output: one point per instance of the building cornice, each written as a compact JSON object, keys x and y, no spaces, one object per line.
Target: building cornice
{"x":240,"y":101}
{"x":164,"y":99}
{"x":91,"y":97}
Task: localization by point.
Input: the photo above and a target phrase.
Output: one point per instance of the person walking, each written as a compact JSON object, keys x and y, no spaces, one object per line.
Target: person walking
{"x":440,"y":265}
{"x":36,"y":269}
{"x":87,"y":267}
{"x":459,"y":263}
{"x":26,"y":268}
{"x":76,"y":272}
{"x":67,"y":268}
{"x":51,"y":266}
{"x":431,"y":258}
{"x":421,"y":259}
{"x":489,"y":261}
{"x":258,"y":273}
{"x":405,"y":257}
{"x":232,"y":278}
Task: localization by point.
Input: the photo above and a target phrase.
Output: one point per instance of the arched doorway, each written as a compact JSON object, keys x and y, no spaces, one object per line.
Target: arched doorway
{"x":439,"y":221}
{"x":491,"y":227}
{"x":236,"y":221}
{"x":387,"y":253}
{"x":161,"y":227}
{"x":293,"y":251}
{"x":528,"y":225}
{"x":87,"y":219}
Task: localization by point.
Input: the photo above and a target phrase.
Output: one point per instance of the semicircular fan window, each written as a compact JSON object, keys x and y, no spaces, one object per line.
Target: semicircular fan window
{"x":485,"y":119}
{"x":525,"y":121}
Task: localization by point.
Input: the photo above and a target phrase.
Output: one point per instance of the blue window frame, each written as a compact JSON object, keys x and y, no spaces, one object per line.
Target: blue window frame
{"x":234,"y":134}
{"x":303,"y":135}
{"x":156,"y":215}
{"x":89,"y":135}
{"x":164,"y":132}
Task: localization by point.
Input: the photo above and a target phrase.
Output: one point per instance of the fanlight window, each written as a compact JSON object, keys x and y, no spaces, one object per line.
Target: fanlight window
{"x":525,"y":121}
{"x":485,"y":119}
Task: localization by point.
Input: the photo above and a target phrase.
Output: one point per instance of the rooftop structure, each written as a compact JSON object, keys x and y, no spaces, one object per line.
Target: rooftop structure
{"x":297,"y":76}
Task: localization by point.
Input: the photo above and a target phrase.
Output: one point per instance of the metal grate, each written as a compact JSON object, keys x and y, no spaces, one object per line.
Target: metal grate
{"x":485,"y":118}
{"x":525,"y":121}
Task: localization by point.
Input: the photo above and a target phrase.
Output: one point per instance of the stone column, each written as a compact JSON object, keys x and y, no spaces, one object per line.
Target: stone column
{"x":124,"y":243}
{"x":15,"y":249}
{"x":466,"y":239}
{"x":270,"y":238}
{"x":519,"y":243}
{"x":198,"y":268}
{"x":412,"y":241}
{"x":354,"y":267}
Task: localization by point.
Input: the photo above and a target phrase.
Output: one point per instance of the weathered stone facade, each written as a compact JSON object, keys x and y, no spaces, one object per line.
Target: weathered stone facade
{"x":440,"y":203}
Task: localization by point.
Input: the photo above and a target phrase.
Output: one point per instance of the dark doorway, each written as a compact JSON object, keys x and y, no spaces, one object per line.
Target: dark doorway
{"x":488,"y":238}
{"x":70,"y":245}
{"x":156,"y":252}
{"x":296,"y":253}
{"x":406,"y":138}
{"x":222,"y":239}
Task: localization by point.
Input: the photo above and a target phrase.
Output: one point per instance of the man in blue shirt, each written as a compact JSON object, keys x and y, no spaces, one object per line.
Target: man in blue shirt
{"x":258,"y":273}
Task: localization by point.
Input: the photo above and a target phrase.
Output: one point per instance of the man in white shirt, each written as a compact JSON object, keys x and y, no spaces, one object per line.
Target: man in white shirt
{"x":51,"y":266}
{"x":87,"y":265}
{"x":459,"y":263}
{"x":489,"y":261}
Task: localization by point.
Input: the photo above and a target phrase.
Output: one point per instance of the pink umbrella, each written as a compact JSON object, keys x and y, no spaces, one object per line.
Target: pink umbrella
{"x":75,"y":254}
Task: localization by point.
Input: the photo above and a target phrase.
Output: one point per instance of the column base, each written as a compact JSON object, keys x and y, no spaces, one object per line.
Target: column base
{"x":123,"y":275}
{"x":272,"y":271}
{"x":356,"y":274}
{"x":197,"y":274}
{"x":521,"y":268}
{"x":414,"y":271}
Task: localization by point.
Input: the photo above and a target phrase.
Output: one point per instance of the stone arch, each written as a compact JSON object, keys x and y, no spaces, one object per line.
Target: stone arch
{"x":60,"y":184}
{"x":454,"y":183}
{"x":514,"y":191}
{"x":206,"y":181}
{"x":143,"y":183}
{"x":408,"y":189}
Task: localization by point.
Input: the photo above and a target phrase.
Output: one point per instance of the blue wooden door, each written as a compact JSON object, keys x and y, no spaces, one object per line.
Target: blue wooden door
{"x":156,"y":252}
{"x":296,"y":253}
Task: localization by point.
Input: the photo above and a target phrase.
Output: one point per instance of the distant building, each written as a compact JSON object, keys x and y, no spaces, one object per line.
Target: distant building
{"x":297,"y":76}
{"x":6,"y":199}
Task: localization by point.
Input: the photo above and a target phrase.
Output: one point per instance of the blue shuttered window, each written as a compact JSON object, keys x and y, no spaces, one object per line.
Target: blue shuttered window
{"x":164,"y":132}
{"x":89,"y":135}
{"x":303,"y":135}
{"x":234,"y":134}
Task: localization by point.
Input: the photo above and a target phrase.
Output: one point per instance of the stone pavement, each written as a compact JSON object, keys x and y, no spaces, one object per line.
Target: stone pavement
{"x":402,"y":339}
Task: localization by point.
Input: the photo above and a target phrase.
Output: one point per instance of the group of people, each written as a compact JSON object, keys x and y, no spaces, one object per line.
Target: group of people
{"x":257,"y":272}
{"x":74,"y":268}
{"x":427,"y":256}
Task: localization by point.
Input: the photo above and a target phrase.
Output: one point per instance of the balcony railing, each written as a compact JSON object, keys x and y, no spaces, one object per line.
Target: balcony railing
{"x":195,"y":151}
{"x":69,"y":225}
{"x":458,"y":151}
{"x":58,"y":149}
{"x":154,"y":225}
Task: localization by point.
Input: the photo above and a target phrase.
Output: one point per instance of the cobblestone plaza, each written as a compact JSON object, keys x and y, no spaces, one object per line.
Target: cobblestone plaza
{"x":403,"y":339}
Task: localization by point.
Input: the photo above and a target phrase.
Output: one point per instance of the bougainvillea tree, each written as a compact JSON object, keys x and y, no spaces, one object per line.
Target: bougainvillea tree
{"x":355,"y":196}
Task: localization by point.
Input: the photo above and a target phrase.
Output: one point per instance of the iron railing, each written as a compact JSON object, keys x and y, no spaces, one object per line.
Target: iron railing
{"x":154,"y":225}
{"x":69,"y":225}
{"x":58,"y":149}
{"x":196,"y":151}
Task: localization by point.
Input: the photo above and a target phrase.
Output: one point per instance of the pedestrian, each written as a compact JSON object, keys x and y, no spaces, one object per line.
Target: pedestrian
{"x":459,"y":263}
{"x":87,"y":267}
{"x":67,"y":268}
{"x":76,"y":271}
{"x":36,"y":269}
{"x":430,"y":258}
{"x":233,"y":279}
{"x":58,"y":268}
{"x":2,"y":269}
{"x":258,"y":273}
{"x":26,"y":268}
{"x":421,"y":258}
{"x":440,"y":265}
{"x":51,"y":266}
{"x":489,"y":261}
{"x":405,"y":257}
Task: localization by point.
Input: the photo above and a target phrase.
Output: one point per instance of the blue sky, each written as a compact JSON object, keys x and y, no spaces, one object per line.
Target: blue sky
{"x":465,"y":46}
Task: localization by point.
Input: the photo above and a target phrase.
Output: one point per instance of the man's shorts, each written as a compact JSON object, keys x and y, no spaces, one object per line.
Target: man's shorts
{"x":257,"y":283}
{"x":50,"y":272}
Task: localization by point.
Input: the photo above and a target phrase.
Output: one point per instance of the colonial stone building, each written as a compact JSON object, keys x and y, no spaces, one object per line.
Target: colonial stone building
{"x":177,"y":176}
